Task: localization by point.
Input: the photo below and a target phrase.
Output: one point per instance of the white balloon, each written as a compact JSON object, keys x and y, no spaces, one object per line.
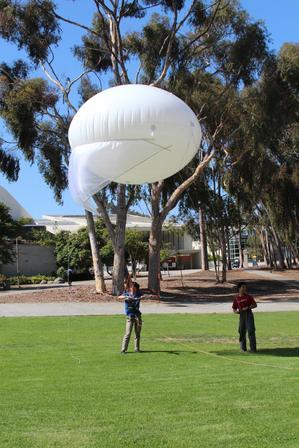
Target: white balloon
{"x":129,"y":134}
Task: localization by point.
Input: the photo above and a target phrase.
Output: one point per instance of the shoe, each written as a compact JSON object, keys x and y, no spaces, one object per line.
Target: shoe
{"x":137,"y":350}
{"x":123,"y":352}
{"x":252,"y":351}
{"x":243,"y":350}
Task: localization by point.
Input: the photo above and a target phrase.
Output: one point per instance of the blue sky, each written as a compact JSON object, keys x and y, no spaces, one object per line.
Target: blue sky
{"x":281,"y":19}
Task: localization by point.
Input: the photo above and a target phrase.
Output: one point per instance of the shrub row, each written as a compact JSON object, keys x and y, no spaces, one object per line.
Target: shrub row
{"x":33,"y":280}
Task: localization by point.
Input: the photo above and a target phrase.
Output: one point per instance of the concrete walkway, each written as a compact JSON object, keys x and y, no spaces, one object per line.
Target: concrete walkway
{"x":114,"y":308}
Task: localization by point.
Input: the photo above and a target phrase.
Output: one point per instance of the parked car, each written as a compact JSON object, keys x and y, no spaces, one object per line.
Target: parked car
{"x":236,"y":264}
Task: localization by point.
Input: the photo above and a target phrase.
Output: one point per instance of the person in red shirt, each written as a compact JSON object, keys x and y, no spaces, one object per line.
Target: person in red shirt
{"x":243,"y":305}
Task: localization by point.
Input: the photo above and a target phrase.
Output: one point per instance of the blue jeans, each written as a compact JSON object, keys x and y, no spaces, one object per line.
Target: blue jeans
{"x":246,"y":325}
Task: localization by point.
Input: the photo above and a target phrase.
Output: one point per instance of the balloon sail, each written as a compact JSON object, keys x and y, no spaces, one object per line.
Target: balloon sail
{"x":131,"y":134}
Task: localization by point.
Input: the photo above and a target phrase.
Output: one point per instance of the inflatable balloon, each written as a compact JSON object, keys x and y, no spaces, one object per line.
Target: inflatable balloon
{"x":129,"y":134}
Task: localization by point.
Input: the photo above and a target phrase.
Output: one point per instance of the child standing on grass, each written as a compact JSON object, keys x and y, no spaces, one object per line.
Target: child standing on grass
{"x":132,"y":298}
{"x":243,"y":305}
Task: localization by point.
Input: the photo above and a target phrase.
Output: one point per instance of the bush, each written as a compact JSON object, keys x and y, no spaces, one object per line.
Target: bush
{"x":30,"y":280}
{"x":3,"y":278}
{"x":61,"y":273}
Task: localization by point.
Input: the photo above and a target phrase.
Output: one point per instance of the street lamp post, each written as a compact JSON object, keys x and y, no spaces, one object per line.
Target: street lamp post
{"x":17,"y":259}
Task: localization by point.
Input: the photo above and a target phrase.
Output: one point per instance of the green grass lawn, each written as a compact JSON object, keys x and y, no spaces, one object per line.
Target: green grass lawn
{"x":65,"y":384}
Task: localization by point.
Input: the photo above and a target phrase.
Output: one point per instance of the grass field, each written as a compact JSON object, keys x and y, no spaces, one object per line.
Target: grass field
{"x":65,"y":384}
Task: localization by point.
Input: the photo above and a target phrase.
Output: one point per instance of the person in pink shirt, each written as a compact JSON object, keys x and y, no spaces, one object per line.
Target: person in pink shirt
{"x":243,"y":305}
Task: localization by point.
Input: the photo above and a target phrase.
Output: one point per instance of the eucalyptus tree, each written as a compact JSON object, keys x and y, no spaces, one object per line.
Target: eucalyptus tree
{"x":267,"y":168}
{"x":221,"y":47}
{"x":171,"y":39}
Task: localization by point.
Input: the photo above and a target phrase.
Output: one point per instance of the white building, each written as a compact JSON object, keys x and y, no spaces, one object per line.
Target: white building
{"x":15,"y":208}
{"x":30,"y":259}
{"x":185,"y":252}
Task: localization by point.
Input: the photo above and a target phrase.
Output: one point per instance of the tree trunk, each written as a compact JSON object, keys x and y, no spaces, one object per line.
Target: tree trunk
{"x":203,"y":240}
{"x":273,"y":254}
{"x":119,"y":243}
{"x":229,"y":260}
{"x":294,"y":253}
{"x":224,"y":258}
{"x":276,"y":240}
{"x":215,"y":265}
{"x":264,"y":247}
{"x":241,"y":254}
{"x":96,"y":259}
{"x":117,"y":236}
{"x":269,"y":249}
{"x":159,"y":216}
{"x":155,"y":238}
{"x":288,"y":257}
{"x":279,"y":249}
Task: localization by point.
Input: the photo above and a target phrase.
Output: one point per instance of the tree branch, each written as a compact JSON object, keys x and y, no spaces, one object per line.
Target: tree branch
{"x":101,"y":207}
{"x":172,"y":201}
{"x":72,"y":22}
{"x":71,"y":83}
{"x":59,"y":85}
{"x":170,"y":37}
{"x":202,"y":33}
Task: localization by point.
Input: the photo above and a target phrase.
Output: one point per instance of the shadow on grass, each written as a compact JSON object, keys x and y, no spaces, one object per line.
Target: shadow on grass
{"x":279,"y":351}
{"x":288,"y":352}
{"x":169,"y":352}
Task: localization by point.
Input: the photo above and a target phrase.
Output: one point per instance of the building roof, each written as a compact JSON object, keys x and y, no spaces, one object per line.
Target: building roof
{"x":15,"y":208}
{"x":72,"y":223}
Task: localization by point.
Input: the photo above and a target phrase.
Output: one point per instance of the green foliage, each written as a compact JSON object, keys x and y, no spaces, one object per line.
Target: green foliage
{"x":288,"y":64}
{"x":216,"y":59}
{"x":107,"y":253}
{"x":9,"y":164}
{"x":9,"y":230}
{"x":30,"y":280}
{"x":24,"y":103}
{"x":31,"y":25}
{"x":87,"y":89}
{"x":21,"y":103}
{"x":42,"y":237}
{"x":73,"y":249}
{"x":52,"y":158}
{"x":94,"y":52}
{"x":136,"y":247}
{"x":165,"y":252}
{"x":61,"y":272}
{"x":148,"y":46}
{"x":3,"y":278}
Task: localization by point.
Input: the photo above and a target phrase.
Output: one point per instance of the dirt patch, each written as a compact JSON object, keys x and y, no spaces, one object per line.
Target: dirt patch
{"x":199,"y":287}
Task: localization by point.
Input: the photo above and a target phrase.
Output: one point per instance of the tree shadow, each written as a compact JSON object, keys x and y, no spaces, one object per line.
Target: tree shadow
{"x":198,"y":290}
{"x":288,"y":352}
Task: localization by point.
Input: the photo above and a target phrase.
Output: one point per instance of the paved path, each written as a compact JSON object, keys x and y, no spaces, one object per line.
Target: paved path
{"x":113,"y":308}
